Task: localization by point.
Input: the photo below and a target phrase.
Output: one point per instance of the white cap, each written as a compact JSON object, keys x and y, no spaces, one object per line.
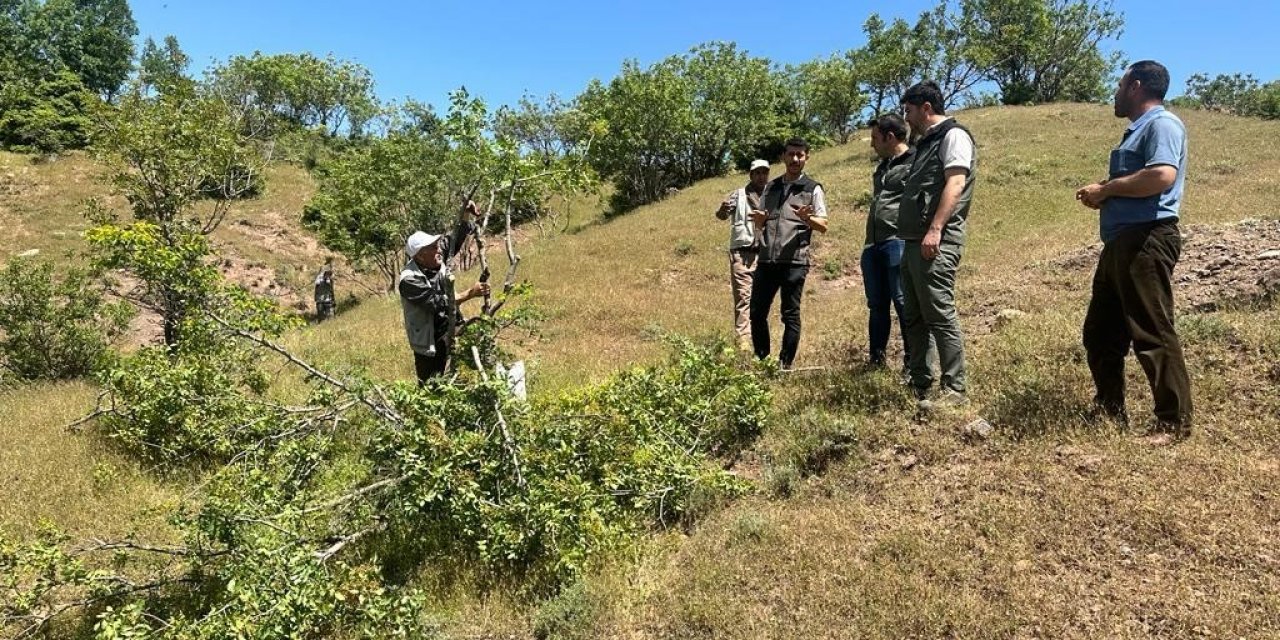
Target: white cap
{"x":419,"y":241}
{"x":759,"y":164}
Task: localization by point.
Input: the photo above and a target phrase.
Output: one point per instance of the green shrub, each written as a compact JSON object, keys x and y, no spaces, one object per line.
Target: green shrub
{"x":46,"y":115}
{"x":578,"y":475}
{"x":567,"y":616}
{"x":319,"y":513}
{"x":54,"y":326}
{"x":811,"y":441}
{"x":1266,"y":101}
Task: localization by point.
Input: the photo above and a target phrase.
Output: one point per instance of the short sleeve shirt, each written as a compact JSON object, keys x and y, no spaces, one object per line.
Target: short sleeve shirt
{"x":819,"y":202}
{"x":1156,"y":138}
{"x":956,"y":150}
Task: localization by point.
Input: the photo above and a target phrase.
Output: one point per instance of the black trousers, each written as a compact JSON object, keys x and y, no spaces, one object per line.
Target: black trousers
{"x":428,"y":367}
{"x":769,"y":279}
{"x":1132,"y":306}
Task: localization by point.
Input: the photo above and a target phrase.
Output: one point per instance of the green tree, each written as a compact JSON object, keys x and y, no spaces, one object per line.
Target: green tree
{"x":888,"y":63}
{"x":1232,"y":93}
{"x":945,"y":51}
{"x":1266,"y":103}
{"x":1040,"y":51}
{"x":645,"y":121}
{"x":46,"y":114}
{"x":829,"y":95}
{"x":370,"y":198}
{"x":301,"y":90}
{"x":168,"y":153}
{"x":735,"y":106}
{"x":545,"y":128}
{"x":680,"y":120}
{"x":162,"y":67}
{"x":94,"y":39}
{"x":54,"y":325}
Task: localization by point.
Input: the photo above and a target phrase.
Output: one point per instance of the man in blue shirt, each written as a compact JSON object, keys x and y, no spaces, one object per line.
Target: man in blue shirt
{"x":1132,"y":303}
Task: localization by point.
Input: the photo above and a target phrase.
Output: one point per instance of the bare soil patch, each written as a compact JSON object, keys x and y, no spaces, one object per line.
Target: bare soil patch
{"x":1221,"y":265}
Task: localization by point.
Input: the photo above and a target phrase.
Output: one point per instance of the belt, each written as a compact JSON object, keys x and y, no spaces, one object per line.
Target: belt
{"x":747,"y":249}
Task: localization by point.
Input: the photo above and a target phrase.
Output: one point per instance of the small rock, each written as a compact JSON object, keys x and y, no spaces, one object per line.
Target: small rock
{"x":1090,"y":463}
{"x":979,"y":428}
{"x":1125,"y":550}
{"x":1270,"y":281}
{"x":1273,"y":254}
{"x":29,"y":253}
{"x":910,"y":462}
{"x":1006,"y":316}
{"x":1068,"y":450}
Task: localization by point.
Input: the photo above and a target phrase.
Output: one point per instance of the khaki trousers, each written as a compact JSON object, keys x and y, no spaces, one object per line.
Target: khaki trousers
{"x":742,"y":266}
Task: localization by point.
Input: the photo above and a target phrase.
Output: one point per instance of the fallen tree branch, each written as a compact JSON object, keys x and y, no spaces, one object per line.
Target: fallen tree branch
{"x":382,"y":408}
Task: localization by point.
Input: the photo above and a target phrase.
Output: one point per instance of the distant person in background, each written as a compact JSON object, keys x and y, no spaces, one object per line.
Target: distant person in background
{"x":791,"y":208}
{"x":882,"y":249}
{"x":325,"y":301}
{"x":1132,"y":302}
{"x":931,"y":221}
{"x":743,"y":249}
{"x":427,"y":296}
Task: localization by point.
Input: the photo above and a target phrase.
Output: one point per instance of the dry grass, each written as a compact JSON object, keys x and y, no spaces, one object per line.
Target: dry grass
{"x":870,"y":523}
{"x":73,"y":481}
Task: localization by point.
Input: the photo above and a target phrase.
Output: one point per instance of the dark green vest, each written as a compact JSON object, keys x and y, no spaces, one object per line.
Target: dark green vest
{"x":786,"y":237}
{"x":924,"y":189}
{"x":887,"y":185}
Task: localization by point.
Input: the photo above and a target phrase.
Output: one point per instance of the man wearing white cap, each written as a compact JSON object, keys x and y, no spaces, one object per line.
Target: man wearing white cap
{"x":428,"y":299}
{"x":743,"y":247}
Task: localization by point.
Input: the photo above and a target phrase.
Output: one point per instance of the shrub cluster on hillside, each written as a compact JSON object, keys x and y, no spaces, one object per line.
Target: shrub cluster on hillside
{"x":309,"y":517}
{"x":1236,"y":93}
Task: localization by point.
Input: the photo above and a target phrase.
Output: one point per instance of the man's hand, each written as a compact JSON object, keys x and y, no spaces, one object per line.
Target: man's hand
{"x":725,"y":209}
{"x":478,"y":289}
{"x":929,"y":245}
{"x":758,"y":217}
{"x":1092,"y":196}
{"x":804,"y":212}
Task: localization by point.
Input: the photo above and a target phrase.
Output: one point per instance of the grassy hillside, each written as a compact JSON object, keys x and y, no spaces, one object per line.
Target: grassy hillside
{"x":868,"y":522}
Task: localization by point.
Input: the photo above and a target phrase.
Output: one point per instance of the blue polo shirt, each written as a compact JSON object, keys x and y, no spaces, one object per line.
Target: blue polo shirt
{"x":1157,"y":137}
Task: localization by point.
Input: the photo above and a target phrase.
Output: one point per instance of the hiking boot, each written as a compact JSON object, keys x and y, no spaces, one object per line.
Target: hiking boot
{"x":1163,"y":433}
{"x":921,"y":393}
{"x":950,"y":399}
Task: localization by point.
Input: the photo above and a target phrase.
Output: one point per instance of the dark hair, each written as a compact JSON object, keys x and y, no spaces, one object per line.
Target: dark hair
{"x":923,"y":92}
{"x":797,"y":142}
{"x":891,"y":124}
{"x":1153,"y":76}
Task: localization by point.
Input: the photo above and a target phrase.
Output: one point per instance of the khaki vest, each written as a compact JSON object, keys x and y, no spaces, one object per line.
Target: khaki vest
{"x":742,"y":233}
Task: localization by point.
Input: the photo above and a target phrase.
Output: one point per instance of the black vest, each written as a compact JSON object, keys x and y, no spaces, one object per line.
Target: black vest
{"x":786,"y":237}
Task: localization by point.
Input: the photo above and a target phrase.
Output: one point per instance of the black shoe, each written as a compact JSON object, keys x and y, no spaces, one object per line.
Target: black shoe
{"x":1099,"y":412}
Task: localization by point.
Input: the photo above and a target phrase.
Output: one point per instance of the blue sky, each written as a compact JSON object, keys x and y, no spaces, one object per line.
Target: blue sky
{"x":500,"y":50}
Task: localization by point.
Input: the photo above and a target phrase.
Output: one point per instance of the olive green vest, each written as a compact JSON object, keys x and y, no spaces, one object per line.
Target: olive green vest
{"x":924,"y":189}
{"x":887,"y":185}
